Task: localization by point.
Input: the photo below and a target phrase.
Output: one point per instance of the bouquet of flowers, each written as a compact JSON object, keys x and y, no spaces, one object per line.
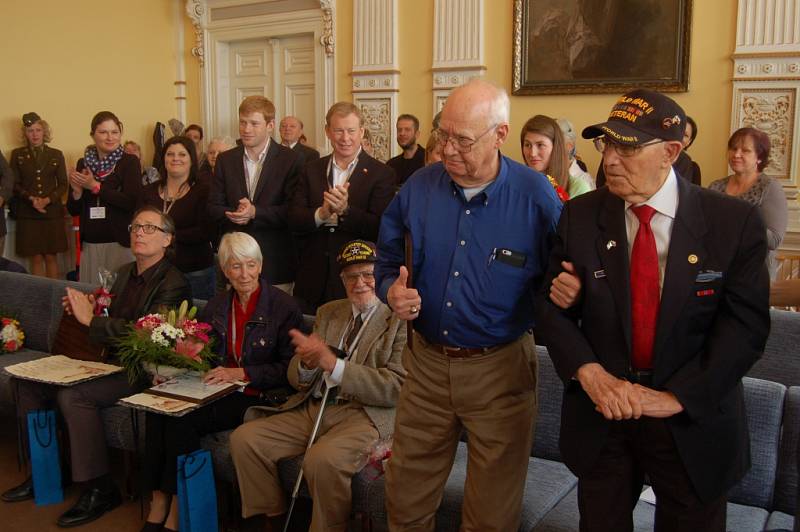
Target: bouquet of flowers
{"x":11,"y":336}
{"x":103,"y":295}
{"x":173,"y":339}
{"x":375,"y":456}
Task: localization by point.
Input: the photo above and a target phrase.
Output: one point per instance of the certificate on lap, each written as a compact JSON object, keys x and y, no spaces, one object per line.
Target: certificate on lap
{"x":61,"y":370}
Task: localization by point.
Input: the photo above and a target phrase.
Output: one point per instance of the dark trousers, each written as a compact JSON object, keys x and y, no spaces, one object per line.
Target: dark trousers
{"x":607,"y":496}
{"x":167,"y":437}
{"x":80,"y":407}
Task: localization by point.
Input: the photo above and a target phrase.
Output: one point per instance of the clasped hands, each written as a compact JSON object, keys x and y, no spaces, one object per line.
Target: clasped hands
{"x":313,"y":351}
{"x":81,"y":180}
{"x":245,"y":212}
{"x":619,"y":399}
{"x":80,"y":305}
{"x":40,"y":203}
{"x":334,"y":201}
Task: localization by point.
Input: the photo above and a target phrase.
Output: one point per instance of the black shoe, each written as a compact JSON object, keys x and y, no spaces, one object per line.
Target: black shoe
{"x":92,"y":504}
{"x":23,"y":492}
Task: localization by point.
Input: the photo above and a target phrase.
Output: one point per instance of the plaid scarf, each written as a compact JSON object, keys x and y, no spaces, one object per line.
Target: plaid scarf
{"x":101,"y":167}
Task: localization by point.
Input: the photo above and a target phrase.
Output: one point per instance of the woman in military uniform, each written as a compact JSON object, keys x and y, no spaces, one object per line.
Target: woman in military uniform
{"x":41,"y":184}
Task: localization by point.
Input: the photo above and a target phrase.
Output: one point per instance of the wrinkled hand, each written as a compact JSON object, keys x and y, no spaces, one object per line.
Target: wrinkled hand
{"x":614,"y":398}
{"x":79,"y":305}
{"x":405,"y":302}
{"x":313,"y":351}
{"x":658,"y":404}
{"x":566,"y":287}
{"x":220,"y":375}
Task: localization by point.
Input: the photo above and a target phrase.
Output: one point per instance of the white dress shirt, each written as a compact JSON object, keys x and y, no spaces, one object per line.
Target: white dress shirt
{"x":665,"y":202}
{"x":252,"y":169}
{"x":340,"y":177}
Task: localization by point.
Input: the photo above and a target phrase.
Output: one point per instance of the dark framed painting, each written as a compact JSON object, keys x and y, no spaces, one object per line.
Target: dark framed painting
{"x":601,"y":46}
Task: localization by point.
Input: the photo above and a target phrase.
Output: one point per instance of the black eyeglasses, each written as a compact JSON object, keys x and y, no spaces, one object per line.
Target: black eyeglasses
{"x":601,"y":144}
{"x":147,"y":229}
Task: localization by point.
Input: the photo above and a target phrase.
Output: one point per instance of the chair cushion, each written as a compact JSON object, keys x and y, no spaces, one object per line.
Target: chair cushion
{"x":119,"y":427}
{"x":740,"y":518}
{"x":764,"y":406}
{"x":218,"y":444}
{"x":547,"y":483}
{"x":779,"y":521}
{"x":786,"y":485}
{"x":548,"y":417}
{"x":779,"y":362}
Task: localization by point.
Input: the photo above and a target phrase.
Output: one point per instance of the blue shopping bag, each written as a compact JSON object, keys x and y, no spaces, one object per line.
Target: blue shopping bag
{"x":197,"y":495}
{"x":45,"y":462}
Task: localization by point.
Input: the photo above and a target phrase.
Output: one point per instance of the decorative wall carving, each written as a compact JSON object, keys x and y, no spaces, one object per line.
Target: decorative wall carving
{"x":766,"y":85}
{"x":196,"y":9}
{"x":327,"y":39}
{"x":771,"y":111}
{"x":379,"y":120}
{"x":376,"y":78}
{"x":457,"y":45}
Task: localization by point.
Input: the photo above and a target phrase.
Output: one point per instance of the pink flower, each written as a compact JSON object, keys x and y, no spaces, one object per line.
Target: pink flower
{"x":149,"y":322}
{"x":189,"y":349}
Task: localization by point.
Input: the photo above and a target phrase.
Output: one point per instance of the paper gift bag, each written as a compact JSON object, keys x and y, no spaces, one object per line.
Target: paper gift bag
{"x":45,"y":462}
{"x":197,"y":496}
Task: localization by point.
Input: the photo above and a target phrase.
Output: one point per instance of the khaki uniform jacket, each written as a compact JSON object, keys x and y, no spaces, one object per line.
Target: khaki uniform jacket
{"x":48,"y":181}
{"x":372,"y":378}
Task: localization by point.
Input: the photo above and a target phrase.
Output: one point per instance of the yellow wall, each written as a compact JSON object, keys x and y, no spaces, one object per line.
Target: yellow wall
{"x":708,"y":100}
{"x":69,"y":60}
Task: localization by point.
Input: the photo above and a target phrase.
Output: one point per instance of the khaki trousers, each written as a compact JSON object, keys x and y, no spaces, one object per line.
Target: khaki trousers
{"x":492,"y":396}
{"x":345,"y":435}
{"x":110,"y":256}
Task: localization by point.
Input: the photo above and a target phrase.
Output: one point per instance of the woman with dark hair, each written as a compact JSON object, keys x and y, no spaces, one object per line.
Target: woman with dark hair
{"x":143,"y":286}
{"x":684,"y":165}
{"x":41,"y":183}
{"x":105,"y":188}
{"x":184,"y":197}
{"x":545,"y":150}
{"x":748,"y":156}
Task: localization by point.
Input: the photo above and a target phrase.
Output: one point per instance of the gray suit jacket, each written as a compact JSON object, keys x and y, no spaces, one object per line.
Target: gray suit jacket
{"x":372,"y":378}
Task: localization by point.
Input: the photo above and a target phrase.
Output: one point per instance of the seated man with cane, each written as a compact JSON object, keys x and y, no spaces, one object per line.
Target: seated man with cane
{"x":355,"y":351}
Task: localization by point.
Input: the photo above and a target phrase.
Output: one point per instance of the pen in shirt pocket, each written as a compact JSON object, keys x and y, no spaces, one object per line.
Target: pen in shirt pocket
{"x":492,"y":256}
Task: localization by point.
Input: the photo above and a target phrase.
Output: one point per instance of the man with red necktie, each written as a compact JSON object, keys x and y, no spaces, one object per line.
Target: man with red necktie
{"x":672,"y":311}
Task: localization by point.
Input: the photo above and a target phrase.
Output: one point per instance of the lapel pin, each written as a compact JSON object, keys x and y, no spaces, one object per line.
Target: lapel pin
{"x":611,"y":244}
{"x":262,"y":342}
{"x":692,"y":259}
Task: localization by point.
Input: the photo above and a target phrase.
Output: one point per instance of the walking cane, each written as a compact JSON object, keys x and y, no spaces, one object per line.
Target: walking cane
{"x":311,"y":439}
{"x":409,"y":260}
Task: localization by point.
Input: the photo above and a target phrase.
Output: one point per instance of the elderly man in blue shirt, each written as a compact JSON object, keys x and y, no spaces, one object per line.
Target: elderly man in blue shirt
{"x":480,"y":224}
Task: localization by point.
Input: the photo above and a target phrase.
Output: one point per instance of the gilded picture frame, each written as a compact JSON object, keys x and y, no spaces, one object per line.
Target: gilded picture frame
{"x":589,"y":46}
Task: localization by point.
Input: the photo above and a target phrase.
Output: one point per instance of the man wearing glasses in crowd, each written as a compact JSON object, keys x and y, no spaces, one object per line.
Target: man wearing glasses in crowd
{"x":480,"y":224}
{"x":670,"y":311}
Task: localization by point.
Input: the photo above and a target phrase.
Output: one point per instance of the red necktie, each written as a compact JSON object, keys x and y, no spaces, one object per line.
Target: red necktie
{"x":645,"y":296}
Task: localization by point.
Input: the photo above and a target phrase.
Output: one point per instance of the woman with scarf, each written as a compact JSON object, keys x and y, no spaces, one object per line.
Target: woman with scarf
{"x":105,"y":188}
{"x":41,"y":184}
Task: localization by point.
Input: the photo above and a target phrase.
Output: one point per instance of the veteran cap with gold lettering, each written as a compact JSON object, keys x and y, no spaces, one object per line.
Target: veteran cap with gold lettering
{"x":641,"y":116}
{"x":356,"y":252}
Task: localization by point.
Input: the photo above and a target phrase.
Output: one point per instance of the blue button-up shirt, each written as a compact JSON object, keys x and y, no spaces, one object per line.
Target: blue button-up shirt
{"x":470,"y":298}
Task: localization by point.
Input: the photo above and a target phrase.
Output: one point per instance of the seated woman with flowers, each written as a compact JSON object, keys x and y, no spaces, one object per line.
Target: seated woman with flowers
{"x":250,"y":331}
{"x":141,"y":287}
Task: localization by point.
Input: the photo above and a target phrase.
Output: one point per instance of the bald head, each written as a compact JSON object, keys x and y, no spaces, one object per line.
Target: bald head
{"x":291,"y":128}
{"x":478,"y":100}
{"x":473,"y":126}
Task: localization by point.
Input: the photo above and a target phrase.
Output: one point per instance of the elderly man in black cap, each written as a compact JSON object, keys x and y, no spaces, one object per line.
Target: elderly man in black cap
{"x":672,"y":312}
{"x":355,"y":350}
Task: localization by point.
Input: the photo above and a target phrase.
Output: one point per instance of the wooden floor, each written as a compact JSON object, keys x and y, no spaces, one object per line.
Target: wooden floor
{"x":26,"y":516}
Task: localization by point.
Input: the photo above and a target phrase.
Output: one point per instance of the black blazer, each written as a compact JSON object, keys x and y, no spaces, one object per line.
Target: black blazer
{"x":269,"y":227}
{"x":371,"y":190}
{"x":307,"y":154}
{"x":166,"y":288}
{"x":711,"y":327}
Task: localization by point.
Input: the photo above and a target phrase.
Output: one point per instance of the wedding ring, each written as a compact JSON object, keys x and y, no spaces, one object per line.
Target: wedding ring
{"x":414,"y":310}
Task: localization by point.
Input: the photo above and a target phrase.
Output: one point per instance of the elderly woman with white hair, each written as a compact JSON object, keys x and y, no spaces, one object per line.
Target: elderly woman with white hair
{"x":216,"y":146}
{"x":251,"y":324}
{"x":571,"y":139}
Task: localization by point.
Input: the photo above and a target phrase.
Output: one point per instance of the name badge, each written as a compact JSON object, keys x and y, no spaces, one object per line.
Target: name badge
{"x":97,"y":213}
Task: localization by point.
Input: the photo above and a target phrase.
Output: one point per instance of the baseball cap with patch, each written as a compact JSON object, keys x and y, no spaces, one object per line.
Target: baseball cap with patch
{"x":641,"y":116}
{"x":356,"y":252}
